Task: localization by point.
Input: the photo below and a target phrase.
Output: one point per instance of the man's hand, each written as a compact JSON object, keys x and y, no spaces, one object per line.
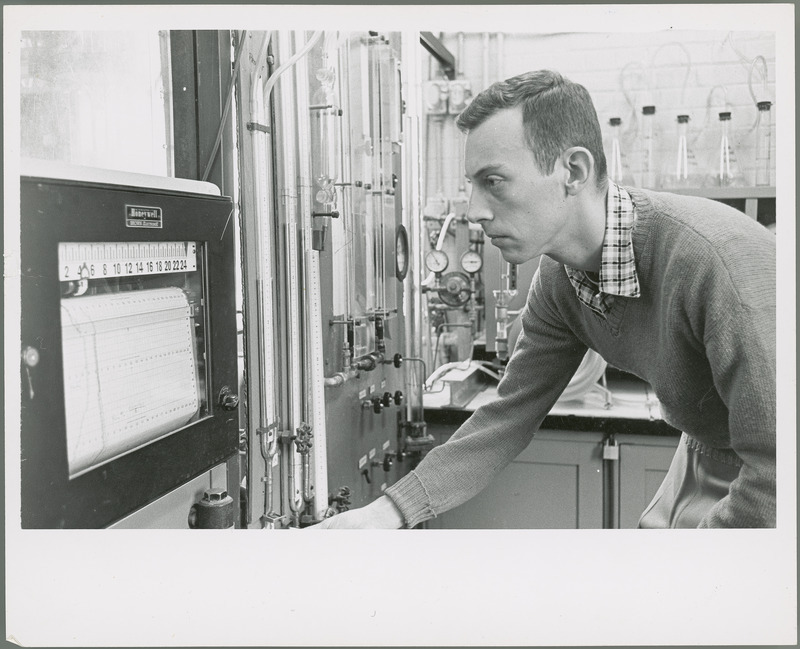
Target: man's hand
{"x":379,"y":515}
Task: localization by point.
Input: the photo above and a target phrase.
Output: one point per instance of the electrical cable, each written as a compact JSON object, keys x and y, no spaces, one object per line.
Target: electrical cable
{"x":228,"y":102}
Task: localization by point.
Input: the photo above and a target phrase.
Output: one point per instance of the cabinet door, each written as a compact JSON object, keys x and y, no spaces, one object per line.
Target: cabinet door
{"x":555,"y":483}
{"x":643,"y":464}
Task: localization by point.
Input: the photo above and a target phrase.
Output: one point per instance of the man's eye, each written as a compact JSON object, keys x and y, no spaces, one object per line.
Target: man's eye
{"x":493,"y":183}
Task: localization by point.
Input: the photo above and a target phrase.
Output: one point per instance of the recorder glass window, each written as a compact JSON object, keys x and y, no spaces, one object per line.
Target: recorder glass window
{"x":133,"y":328}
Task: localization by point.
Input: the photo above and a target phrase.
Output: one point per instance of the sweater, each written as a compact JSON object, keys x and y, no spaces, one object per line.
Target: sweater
{"x":702,"y":334}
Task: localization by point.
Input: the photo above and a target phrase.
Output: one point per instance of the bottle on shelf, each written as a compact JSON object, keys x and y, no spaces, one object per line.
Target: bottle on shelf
{"x":683,"y":169}
{"x":727,"y":172}
{"x":647,"y":163}
{"x":764,"y":144}
{"x":617,"y":161}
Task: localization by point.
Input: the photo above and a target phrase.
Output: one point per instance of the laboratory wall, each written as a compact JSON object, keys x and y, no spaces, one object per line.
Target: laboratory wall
{"x":699,"y":73}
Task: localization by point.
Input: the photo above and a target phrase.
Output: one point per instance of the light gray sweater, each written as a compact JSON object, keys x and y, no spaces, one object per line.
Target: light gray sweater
{"x":702,"y":333}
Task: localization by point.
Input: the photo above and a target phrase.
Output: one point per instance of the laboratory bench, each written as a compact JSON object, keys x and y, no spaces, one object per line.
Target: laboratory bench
{"x":596,"y":462}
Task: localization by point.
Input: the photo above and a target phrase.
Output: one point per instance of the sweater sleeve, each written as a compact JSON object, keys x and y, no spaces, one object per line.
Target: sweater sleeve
{"x":740,"y":346}
{"x":544,"y":359}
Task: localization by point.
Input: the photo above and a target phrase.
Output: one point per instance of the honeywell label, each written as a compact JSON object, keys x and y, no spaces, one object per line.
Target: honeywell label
{"x":139,"y":216}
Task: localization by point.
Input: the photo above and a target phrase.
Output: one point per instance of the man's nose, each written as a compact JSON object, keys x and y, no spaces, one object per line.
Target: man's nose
{"x":478,"y":210}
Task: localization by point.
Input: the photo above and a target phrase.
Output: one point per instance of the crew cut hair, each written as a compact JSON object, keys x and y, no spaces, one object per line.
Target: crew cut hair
{"x":556,"y":113}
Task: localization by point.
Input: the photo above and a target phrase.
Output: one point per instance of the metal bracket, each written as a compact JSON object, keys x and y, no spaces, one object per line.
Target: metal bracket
{"x":438,"y":51}
{"x":255,"y":126}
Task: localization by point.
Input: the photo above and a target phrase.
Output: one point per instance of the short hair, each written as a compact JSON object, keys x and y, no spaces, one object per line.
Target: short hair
{"x":556,"y":113}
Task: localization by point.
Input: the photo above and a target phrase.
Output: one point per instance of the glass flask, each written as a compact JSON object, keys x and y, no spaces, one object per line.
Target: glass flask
{"x":617,"y":163}
{"x":648,"y":147}
{"x":683,"y":171}
{"x":764,"y":144}
{"x":727,"y":173}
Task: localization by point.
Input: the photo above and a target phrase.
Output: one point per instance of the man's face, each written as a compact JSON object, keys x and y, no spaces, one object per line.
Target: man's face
{"x":519,"y":208}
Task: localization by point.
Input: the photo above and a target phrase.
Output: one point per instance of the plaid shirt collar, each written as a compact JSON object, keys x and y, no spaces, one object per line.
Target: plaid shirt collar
{"x":617,"y":265}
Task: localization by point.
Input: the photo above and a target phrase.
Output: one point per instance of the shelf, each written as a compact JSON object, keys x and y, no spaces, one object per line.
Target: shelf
{"x":726,"y":193}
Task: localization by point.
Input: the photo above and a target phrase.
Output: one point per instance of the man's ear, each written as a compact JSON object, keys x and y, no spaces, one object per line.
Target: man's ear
{"x":579,"y":163}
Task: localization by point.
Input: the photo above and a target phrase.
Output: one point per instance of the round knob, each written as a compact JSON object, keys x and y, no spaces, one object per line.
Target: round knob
{"x":398,"y":398}
{"x":387,"y":399}
{"x":30,"y":356}
{"x":228,"y":399}
{"x":377,"y":405}
{"x":387,"y":462}
{"x":398,"y":359}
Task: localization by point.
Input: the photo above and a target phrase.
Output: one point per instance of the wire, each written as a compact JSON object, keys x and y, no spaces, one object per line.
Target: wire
{"x":228,"y":102}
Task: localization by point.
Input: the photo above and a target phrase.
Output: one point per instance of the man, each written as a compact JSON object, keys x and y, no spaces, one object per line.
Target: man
{"x":677,"y":290}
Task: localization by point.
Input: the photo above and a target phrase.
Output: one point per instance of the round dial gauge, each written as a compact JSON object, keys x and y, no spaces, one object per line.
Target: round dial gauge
{"x":436,"y":261}
{"x":401,"y":252}
{"x":471,"y":261}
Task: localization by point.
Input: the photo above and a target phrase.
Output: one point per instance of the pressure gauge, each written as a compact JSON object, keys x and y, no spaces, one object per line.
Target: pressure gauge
{"x":436,"y":261}
{"x":401,"y":252}
{"x":471,"y":262}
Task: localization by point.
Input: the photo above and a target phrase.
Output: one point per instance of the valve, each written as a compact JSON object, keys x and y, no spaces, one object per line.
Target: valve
{"x":365,"y":473}
{"x":388,"y":457}
{"x":340,"y":502}
{"x":387,"y":399}
{"x":376,"y":403}
{"x":397,"y":360}
{"x":398,"y":398}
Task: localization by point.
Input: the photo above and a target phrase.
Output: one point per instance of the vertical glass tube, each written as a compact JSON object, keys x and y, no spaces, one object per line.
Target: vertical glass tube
{"x":763,"y":144}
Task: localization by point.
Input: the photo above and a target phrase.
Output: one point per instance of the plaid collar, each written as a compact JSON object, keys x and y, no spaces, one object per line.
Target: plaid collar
{"x":617,"y":265}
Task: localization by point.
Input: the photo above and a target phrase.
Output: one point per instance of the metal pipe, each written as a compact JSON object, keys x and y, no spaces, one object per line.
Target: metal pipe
{"x":412,"y":219}
{"x":288,"y":194}
{"x":262,"y":175}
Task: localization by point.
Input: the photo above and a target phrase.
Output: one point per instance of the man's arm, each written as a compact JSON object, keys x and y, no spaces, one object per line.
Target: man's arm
{"x":740,"y":346}
{"x":380,"y":514}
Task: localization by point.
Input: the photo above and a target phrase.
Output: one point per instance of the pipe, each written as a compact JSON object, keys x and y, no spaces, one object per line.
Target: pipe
{"x":314,"y":403}
{"x":501,"y":56}
{"x":288,"y":191}
{"x":485,"y":61}
{"x":340,"y":378}
{"x":412,"y":219}
{"x":262,"y":174}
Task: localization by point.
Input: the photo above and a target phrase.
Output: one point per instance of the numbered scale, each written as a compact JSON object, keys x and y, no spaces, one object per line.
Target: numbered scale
{"x":78,"y":261}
